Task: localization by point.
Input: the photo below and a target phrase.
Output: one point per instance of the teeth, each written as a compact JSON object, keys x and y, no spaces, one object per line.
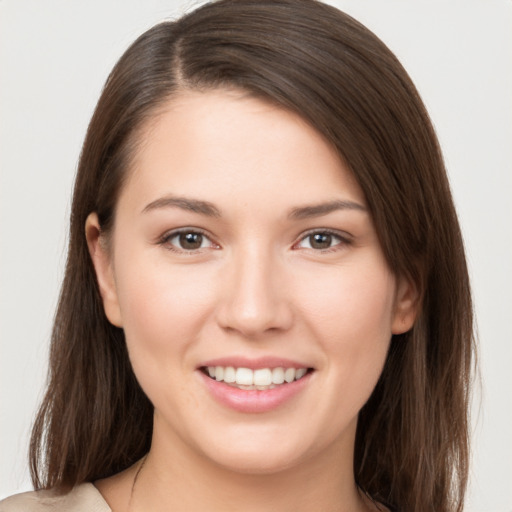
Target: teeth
{"x":289,"y":374}
{"x":300,"y":373}
{"x":229,"y":374}
{"x":244,"y":376}
{"x":278,"y":375}
{"x":262,"y":378}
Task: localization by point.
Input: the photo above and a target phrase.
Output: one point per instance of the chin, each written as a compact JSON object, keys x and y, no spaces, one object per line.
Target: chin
{"x":258,"y":455}
{"x":256,"y":463}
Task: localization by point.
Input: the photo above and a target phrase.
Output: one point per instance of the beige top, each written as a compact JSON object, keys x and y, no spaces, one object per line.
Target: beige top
{"x":82,"y":498}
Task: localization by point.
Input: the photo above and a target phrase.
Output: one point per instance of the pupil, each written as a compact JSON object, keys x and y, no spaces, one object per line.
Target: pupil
{"x":320,"y":241}
{"x":191,"y":240}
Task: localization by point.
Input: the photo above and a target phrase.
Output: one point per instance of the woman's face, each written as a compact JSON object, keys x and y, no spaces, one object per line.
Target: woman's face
{"x":243,"y":249}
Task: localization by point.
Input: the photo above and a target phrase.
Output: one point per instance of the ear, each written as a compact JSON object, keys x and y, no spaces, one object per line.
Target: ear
{"x":406,"y":306}
{"x":102,"y":262}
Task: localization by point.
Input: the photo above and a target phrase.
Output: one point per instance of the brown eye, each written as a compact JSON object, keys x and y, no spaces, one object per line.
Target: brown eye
{"x":187,"y":241}
{"x":320,"y":240}
{"x":190,"y":241}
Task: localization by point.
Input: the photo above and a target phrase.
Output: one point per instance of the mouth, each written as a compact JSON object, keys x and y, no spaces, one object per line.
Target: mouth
{"x":260,"y":379}
{"x":256,"y":385}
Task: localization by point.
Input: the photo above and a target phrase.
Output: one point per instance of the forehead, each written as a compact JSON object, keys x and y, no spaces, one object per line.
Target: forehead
{"x":225,"y":142}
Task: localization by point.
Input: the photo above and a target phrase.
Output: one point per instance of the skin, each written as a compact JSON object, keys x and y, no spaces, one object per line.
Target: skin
{"x":257,"y":286}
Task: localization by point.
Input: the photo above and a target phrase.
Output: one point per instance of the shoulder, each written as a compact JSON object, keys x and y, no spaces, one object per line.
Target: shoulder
{"x":82,"y":498}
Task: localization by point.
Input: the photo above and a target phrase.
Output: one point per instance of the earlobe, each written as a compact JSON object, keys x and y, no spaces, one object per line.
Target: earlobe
{"x":101,"y":260}
{"x":406,"y":306}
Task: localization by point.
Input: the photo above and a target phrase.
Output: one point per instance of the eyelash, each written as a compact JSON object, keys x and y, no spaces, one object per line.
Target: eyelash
{"x":165,"y":240}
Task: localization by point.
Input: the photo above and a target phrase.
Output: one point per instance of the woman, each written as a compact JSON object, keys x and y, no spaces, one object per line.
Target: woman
{"x":266,"y":296}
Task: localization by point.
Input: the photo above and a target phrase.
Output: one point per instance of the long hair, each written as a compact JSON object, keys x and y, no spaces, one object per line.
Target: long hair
{"x":412,"y":437}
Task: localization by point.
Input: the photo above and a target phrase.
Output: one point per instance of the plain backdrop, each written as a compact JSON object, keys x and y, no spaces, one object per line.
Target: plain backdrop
{"x":54,"y":58}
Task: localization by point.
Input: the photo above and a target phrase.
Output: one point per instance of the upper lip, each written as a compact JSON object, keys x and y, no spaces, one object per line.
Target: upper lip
{"x":254,"y":363}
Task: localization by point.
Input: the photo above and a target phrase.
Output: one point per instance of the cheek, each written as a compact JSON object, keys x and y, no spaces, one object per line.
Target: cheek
{"x":351,"y":300}
{"x":351,"y":315}
{"x":163,"y":310}
{"x":162,"y":306}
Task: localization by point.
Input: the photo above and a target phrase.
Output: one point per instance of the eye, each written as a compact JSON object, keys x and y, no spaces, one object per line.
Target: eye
{"x":188,"y":240}
{"x":321,"y":241}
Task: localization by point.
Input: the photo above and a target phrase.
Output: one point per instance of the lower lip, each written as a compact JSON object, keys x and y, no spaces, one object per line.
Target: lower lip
{"x":253,"y":400}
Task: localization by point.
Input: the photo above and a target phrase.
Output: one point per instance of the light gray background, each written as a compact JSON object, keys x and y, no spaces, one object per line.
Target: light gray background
{"x":54,"y":58}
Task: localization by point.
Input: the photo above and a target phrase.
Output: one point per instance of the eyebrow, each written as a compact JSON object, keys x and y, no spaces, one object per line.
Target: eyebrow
{"x":210,"y":210}
{"x":185,"y":203}
{"x":317,"y":210}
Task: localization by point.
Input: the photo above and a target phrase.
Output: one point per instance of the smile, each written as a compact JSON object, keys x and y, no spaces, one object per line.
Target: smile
{"x":260,"y":379}
{"x":255,"y":386}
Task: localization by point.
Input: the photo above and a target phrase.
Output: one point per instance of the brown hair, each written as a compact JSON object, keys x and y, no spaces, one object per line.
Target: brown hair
{"x":412,"y":439}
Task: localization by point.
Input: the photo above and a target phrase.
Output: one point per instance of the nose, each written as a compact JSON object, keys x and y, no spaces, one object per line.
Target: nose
{"x":254,"y":299}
